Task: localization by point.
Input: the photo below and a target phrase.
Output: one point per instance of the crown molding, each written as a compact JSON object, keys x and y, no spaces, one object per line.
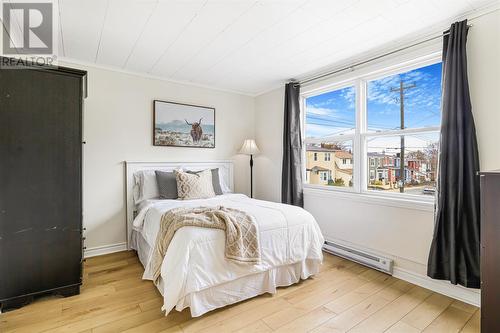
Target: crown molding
{"x":72,"y":61}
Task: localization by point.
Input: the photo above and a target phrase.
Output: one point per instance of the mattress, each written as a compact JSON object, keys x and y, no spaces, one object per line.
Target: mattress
{"x":194,"y":272}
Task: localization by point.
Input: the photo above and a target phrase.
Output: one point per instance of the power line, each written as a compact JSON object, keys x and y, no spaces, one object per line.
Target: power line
{"x":402,"y":89}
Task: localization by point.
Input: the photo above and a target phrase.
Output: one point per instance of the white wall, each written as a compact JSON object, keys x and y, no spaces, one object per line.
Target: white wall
{"x":118,"y":127}
{"x":401,"y":233}
{"x":269,"y":137}
{"x":483,"y":49}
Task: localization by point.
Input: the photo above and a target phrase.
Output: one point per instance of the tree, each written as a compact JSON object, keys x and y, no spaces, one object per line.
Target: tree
{"x":417,"y":155}
{"x":336,"y":182}
{"x":432,"y":152}
{"x":333,"y":145}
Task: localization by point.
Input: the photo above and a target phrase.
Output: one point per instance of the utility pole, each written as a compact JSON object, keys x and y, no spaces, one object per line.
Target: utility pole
{"x":402,"y":88}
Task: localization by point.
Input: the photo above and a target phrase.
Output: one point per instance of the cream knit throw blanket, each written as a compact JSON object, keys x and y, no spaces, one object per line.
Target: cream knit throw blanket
{"x":242,"y":238}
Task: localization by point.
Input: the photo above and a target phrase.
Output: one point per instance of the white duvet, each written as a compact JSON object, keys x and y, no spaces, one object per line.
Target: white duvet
{"x":195,"y":257}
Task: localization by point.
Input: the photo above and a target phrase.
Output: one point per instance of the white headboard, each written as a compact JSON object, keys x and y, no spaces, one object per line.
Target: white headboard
{"x":225,"y":169}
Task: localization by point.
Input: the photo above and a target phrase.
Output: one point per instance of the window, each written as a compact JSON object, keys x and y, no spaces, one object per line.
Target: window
{"x":394,"y":129}
{"x":323,"y":175}
{"x":330,"y":125}
{"x":315,"y":156}
{"x":409,"y":103}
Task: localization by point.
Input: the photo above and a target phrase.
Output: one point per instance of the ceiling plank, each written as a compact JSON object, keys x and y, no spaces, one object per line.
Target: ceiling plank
{"x":257,"y":20}
{"x":124,"y":24}
{"x":81,"y":23}
{"x":213,"y":18}
{"x":243,"y":45}
{"x":165,"y":26}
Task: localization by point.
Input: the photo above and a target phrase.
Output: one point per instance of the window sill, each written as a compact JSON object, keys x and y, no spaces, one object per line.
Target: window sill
{"x":423,"y":204}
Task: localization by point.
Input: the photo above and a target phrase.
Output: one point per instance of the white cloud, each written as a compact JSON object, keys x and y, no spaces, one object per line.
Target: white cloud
{"x":319,"y":111}
{"x":321,"y":131}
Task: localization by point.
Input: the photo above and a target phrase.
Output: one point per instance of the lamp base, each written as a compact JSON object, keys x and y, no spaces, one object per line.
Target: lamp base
{"x":251,"y":176}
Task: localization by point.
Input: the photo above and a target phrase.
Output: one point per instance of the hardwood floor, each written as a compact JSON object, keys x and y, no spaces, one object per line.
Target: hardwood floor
{"x":344,"y":297}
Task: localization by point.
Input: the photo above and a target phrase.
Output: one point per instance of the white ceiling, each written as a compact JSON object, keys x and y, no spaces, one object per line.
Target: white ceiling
{"x":240,"y":45}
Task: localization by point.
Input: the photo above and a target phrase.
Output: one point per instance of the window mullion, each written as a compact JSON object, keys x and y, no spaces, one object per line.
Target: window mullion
{"x":362,"y":142}
{"x":407,"y":131}
{"x":358,"y":146}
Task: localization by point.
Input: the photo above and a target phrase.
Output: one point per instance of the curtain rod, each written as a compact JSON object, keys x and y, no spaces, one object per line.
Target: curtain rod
{"x":351,"y":67}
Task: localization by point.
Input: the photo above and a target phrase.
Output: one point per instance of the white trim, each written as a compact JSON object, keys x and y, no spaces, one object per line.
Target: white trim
{"x":372,"y":199}
{"x":359,"y":79}
{"x":72,"y":61}
{"x":470,"y":296}
{"x":350,"y":82}
{"x":105,"y":249}
{"x":377,"y":73}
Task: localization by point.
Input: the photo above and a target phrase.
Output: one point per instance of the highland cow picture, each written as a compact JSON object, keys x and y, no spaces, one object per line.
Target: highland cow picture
{"x":183,"y":125}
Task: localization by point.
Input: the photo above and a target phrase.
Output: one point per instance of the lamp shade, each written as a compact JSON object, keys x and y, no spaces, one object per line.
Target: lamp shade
{"x":249,"y":147}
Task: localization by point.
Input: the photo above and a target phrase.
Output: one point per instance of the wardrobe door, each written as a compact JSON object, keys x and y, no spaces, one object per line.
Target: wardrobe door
{"x":40,"y":181}
{"x":490,"y":251}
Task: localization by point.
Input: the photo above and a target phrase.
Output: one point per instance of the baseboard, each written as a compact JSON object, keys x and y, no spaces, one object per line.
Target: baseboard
{"x":466,"y":295}
{"x":470,"y":296}
{"x":105,"y":249}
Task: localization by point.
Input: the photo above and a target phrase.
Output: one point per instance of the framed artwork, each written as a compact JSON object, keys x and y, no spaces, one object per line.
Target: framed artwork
{"x":183,"y":125}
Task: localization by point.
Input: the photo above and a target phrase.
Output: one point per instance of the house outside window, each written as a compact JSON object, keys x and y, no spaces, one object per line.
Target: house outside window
{"x":381,"y":129}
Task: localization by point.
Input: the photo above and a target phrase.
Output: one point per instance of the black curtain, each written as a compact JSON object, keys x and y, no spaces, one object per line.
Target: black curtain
{"x":454,"y":253}
{"x":291,"y":181}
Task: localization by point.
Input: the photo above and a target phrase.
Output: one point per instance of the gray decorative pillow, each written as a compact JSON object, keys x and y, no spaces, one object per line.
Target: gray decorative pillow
{"x":194,"y":185}
{"x":167,"y":184}
{"x":215,"y":180}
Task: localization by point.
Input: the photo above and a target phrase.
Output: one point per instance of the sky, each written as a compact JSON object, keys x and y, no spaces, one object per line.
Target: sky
{"x":333,"y":113}
{"x":422,"y":102}
{"x":167,"y":112}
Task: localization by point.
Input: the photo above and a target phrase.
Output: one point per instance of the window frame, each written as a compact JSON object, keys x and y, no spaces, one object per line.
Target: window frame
{"x":359,"y":81}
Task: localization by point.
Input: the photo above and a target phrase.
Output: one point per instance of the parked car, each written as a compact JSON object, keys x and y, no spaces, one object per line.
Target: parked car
{"x":429,"y":190}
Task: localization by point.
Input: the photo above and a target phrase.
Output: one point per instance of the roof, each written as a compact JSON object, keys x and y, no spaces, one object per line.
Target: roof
{"x":345,"y":171}
{"x":343,"y":154}
{"x":371,"y":154}
{"x":338,"y":153}
{"x":318,"y":168}
{"x":311,"y":147}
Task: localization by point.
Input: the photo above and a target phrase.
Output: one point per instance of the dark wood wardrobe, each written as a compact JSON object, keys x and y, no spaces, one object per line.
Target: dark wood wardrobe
{"x":490,"y":251}
{"x":40,"y":182}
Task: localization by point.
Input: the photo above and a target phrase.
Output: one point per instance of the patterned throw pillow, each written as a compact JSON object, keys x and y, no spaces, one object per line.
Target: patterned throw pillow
{"x":194,"y":185}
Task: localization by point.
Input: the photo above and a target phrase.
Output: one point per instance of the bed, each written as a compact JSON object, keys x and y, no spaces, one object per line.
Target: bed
{"x":194,"y":271}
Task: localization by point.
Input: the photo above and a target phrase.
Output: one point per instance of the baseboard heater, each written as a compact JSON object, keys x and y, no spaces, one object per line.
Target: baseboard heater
{"x":379,"y":263}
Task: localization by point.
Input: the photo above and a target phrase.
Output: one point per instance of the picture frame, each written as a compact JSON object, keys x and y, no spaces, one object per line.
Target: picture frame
{"x":183,"y":125}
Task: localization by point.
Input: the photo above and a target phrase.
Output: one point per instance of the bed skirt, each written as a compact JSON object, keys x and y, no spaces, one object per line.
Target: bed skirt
{"x":235,"y":291}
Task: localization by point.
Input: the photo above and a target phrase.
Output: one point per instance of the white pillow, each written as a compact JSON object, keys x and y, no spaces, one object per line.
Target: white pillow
{"x":225,"y":189}
{"x":145,"y":186}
